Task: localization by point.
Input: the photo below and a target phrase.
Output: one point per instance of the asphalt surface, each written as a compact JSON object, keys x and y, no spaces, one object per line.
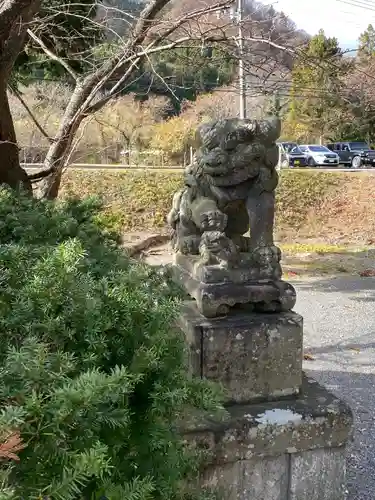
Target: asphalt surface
{"x":339,"y":333}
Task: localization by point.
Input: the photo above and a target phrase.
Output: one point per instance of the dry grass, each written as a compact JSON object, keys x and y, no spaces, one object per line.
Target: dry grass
{"x":330,"y":208}
{"x":133,"y":200}
{"x":141,"y":200}
{"x":325,"y":222}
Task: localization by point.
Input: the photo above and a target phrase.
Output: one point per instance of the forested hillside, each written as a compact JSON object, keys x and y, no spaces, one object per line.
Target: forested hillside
{"x":178,"y":74}
{"x":147,"y":113}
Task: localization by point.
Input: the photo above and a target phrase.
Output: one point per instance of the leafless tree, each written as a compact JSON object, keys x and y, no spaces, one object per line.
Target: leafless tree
{"x":149,"y":34}
{"x":152,"y":31}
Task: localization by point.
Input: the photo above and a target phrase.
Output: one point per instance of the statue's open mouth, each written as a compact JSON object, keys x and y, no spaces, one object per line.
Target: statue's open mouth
{"x":235,"y":178}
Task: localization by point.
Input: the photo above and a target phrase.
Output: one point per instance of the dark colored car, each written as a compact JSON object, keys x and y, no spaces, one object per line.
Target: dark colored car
{"x":355,"y":154}
{"x":291,"y":155}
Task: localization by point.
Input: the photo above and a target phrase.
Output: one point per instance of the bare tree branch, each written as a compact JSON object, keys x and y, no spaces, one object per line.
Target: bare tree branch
{"x":136,"y":58}
{"x":31,"y":114}
{"x":52,"y":55}
{"x":269,"y":42}
{"x":117,"y":63}
{"x":40,"y":175}
{"x":150,"y":35}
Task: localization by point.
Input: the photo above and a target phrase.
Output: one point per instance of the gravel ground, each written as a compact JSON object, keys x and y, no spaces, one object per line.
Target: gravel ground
{"x":339,"y":333}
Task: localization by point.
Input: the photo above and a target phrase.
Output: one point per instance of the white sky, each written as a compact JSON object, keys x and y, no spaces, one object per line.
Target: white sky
{"x":339,"y":18}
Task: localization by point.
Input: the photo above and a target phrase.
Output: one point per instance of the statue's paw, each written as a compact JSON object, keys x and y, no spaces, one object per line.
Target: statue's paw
{"x":188,"y":245}
{"x":213,"y":221}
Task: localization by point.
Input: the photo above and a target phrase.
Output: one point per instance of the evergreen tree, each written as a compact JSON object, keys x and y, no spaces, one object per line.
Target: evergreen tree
{"x":179,"y":74}
{"x":68,"y":30}
{"x":366,"y":45}
{"x":93,"y":377}
{"x":358,"y":114}
{"x":317,"y":82}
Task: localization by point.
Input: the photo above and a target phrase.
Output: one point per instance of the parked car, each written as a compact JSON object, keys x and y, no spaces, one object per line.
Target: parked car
{"x":291,"y":155}
{"x":354,"y":154}
{"x":317,"y":155}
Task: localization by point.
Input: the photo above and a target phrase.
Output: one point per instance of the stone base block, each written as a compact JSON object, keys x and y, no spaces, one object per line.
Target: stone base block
{"x":215,"y":293}
{"x":255,"y":356}
{"x":310,"y":475}
{"x":286,"y":450}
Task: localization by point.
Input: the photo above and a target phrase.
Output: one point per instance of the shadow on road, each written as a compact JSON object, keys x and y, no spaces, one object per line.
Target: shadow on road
{"x":358,"y":390}
{"x":340,"y":339}
{"x":353,"y":286}
{"x":355,"y":345}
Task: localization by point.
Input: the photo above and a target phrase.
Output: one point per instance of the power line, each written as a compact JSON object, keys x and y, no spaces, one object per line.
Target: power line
{"x":361,"y":4}
{"x":261,"y":87}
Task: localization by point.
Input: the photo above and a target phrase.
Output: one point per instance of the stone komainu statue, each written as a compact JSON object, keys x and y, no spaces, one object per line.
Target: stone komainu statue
{"x":229,"y":190}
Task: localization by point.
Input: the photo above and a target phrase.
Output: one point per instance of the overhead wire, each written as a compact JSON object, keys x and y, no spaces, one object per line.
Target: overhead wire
{"x":305,"y":91}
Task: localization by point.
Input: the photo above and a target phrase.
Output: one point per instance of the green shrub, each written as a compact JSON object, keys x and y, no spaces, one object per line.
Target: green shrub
{"x":92,"y":372}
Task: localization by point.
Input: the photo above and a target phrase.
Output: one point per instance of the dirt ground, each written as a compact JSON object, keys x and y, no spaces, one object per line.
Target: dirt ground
{"x":303,"y":259}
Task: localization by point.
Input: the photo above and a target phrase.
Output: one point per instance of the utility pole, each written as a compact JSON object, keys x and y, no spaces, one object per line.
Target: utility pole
{"x":241,"y":69}
{"x":236,"y":15}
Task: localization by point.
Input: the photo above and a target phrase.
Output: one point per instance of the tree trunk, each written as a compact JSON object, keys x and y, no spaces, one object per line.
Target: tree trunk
{"x":61,"y":146}
{"x":15,"y":16}
{"x":11,"y":172}
{"x":55,"y":160}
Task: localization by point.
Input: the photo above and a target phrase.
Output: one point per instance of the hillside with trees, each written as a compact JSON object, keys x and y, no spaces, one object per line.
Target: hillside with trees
{"x":193,"y":54}
{"x":144,"y":107}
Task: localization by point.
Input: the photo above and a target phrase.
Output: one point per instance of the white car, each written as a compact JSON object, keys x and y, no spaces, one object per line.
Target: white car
{"x":317,"y":155}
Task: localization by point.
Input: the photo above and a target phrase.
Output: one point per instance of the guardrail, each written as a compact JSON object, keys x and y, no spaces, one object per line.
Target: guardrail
{"x":179,"y":168}
{"x":107,"y":166}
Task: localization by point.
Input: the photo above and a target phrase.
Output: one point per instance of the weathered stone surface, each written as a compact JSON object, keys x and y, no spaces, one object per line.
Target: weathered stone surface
{"x":254,"y":479}
{"x":214,"y":274}
{"x":318,"y":475}
{"x":229,"y":189}
{"x":284,"y":450}
{"x":216,"y":299}
{"x":255,"y":356}
{"x":309,"y":475}
{"x":313,"y":421}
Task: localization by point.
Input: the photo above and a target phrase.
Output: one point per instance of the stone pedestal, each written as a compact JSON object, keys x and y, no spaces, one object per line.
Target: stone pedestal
{"x":285,"y":436}
{"x":257,"y":357}
{"x":216,"y":289}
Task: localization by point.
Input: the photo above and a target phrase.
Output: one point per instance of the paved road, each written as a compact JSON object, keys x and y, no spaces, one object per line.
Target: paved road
{"x":339,"y":321}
